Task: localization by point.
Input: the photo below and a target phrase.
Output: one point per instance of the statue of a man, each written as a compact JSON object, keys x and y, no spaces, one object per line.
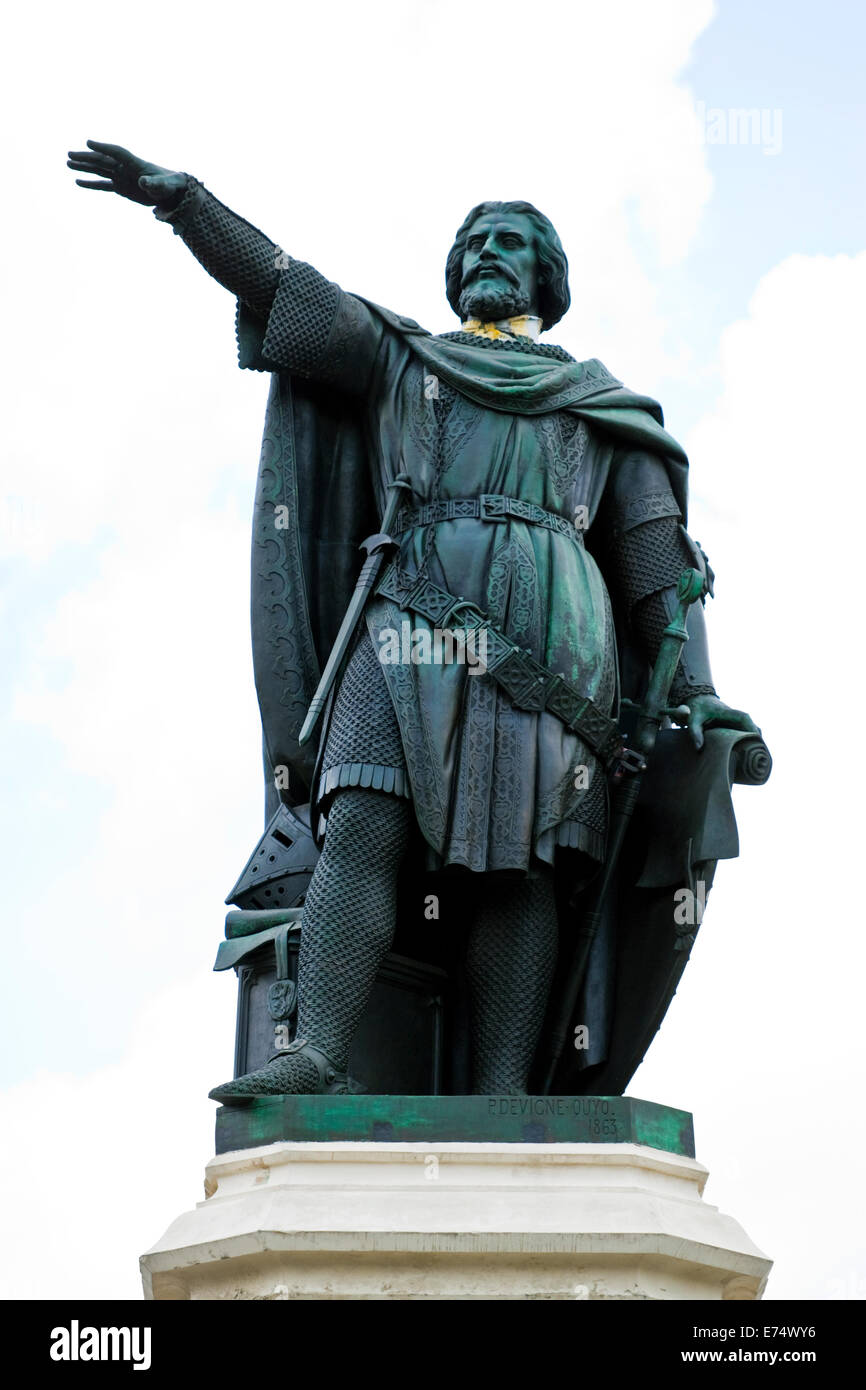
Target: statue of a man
{"x":545,"y":495}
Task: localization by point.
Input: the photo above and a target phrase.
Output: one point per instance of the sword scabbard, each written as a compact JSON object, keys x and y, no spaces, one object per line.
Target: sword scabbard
{"x":377,"y":547}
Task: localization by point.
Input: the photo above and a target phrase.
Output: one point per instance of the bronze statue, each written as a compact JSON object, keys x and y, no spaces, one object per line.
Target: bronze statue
{"x":525,"y":519}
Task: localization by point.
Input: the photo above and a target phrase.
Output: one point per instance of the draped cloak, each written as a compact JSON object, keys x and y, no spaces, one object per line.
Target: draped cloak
{"x":327,"y":458}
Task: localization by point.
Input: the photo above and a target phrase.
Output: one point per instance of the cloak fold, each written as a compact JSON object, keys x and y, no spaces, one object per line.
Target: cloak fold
{"x":305,"y":558}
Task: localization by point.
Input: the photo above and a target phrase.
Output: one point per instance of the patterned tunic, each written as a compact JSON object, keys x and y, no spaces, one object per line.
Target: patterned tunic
{"x":492,"y":785}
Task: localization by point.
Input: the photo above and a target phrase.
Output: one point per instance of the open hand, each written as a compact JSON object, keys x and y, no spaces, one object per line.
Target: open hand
{"x":708,"y":711}
{"x":119,"y":171}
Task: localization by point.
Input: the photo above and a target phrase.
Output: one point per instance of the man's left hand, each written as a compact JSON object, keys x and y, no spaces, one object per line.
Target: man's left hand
{"x":708,"y":711}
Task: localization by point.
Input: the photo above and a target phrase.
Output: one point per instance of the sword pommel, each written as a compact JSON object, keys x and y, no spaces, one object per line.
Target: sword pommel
{"x":690,"y":586}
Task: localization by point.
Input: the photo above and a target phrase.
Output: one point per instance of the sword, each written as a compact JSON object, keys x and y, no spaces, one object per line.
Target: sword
{"x":376,"y":548}
{"x":691,"y":585}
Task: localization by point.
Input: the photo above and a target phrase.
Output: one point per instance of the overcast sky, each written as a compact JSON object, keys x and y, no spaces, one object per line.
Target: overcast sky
{"x":726,"y":278}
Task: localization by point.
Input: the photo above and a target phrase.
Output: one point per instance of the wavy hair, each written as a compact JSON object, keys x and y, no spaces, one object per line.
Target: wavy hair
{"x":554,"y":296}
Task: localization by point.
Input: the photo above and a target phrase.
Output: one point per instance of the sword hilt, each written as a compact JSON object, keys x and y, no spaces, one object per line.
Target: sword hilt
{"x":400,"y":484}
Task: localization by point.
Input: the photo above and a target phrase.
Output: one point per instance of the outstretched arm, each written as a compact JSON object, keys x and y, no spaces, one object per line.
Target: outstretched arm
{"x":234,"y":252}
{"x":309,"y":327}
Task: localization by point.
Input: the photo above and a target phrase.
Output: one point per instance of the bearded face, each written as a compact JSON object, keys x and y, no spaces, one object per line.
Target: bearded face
{"x":487,"y":303}
{"x":500,"y":268}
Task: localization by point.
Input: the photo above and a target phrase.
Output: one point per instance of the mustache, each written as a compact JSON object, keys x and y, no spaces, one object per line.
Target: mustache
{"x":504,"y":270}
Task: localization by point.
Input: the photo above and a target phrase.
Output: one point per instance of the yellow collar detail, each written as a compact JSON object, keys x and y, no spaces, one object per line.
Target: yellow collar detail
{"x":522,"y":325}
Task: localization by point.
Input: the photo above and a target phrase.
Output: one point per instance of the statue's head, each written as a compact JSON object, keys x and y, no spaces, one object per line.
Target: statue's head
{"x":507,"y":259}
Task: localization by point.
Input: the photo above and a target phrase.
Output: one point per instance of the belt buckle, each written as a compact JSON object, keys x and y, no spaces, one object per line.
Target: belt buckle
{"x":470,"y":614}
{"x":493,"y":507}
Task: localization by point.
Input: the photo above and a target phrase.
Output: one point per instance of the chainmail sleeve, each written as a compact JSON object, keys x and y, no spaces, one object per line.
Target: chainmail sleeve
{"x":310,"y":327}
{"x":234,"y":252}
{"x":647,"y":554}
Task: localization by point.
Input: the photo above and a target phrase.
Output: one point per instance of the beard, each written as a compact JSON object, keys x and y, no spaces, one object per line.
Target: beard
{"x":489,"y":303}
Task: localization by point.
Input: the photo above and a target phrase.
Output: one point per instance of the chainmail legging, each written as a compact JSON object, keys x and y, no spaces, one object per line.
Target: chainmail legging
{"x":510,"y":962}
{"x":348,"y":926}
{"x":349,"y":916}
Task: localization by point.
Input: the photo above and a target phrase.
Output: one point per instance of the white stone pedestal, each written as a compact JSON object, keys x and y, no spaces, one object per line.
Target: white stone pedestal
{"x":453,"y":1221}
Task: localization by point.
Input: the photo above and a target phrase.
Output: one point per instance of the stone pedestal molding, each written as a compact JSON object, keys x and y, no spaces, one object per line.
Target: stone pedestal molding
{"x":364,"y":1220}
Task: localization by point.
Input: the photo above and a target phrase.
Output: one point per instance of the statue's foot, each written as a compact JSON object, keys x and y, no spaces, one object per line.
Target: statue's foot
{"x":301,"y":1070}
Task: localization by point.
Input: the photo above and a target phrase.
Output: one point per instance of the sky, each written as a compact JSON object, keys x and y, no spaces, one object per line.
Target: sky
{"x":716,"y":265}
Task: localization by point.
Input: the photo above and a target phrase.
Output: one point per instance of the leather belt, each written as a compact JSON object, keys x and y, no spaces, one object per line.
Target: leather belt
{"x":527,"y":683}
{"x":490,"y":506}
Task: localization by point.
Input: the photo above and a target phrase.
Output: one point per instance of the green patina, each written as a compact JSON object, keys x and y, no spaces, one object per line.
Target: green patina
{"x":455,"y":1119}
